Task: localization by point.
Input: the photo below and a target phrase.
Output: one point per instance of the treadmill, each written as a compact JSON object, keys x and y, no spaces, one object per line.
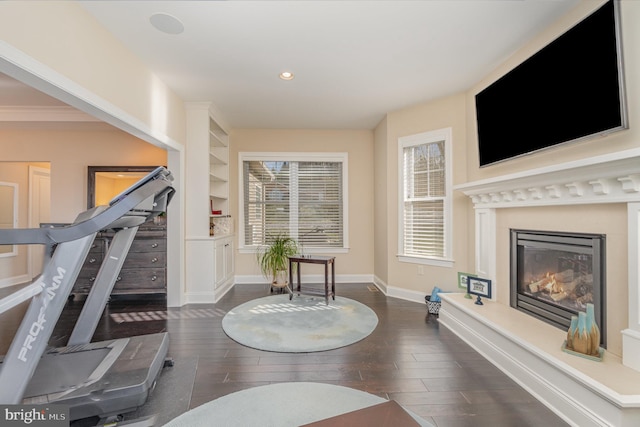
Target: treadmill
{"x":103,"y":379}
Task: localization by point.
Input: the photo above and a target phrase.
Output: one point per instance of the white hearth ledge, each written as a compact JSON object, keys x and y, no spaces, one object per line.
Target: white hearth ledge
{"x":581,"y":391}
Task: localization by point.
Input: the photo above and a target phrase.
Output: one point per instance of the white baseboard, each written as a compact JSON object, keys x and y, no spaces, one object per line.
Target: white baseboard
{"x":200,"y":297}
{"x":405,"y":294}
{"x":223,"y":289}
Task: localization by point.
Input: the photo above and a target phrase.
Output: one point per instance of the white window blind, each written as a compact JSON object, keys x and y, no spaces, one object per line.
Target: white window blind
{"x":301,"y":199}
{"x":424,"y":196}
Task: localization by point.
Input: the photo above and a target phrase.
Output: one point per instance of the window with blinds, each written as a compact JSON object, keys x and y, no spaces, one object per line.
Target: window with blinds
{"x":299,"y":198}
{"x":425,"y":196}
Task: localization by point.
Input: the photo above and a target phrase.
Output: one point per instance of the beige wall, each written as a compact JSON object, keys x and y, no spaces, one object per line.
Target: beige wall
{"x":69,"y":154}
{"x":609,"y":219}
{"x":359,"y":146}
{"x":458,"y":112}
{"x":448,"y":112}
{"x":17,"y":173}
{"x":64,"y":38}
{"x":626,"y":139}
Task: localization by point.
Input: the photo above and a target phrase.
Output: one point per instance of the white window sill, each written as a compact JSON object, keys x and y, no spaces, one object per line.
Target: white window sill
{"x":436,"y":262}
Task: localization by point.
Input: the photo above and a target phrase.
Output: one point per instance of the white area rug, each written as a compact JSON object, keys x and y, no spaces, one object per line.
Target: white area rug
{"x":301,"y":325}
{"x":280,"y":405}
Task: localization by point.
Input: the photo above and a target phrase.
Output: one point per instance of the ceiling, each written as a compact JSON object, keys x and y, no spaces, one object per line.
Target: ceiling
{"x":354,"y":61}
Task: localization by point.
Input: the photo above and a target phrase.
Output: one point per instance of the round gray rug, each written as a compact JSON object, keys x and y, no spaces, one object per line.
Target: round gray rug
{"x":280,"y":405}
{"x":301,"y":325}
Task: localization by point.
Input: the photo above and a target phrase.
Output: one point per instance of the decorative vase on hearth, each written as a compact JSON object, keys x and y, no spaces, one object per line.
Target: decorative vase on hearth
{"x":572,"y":330}
{"x":580,"y":340}
{"x":593,"y":331}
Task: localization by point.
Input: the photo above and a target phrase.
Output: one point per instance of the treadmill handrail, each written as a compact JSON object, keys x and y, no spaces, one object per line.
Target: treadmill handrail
{"x":157,"y":183}
{"x":20,"y":296}
{"x":61,"y":271}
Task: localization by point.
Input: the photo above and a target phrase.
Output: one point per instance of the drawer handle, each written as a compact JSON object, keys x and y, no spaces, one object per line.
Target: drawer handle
{"x":91,"y":279}
{"x":118,"y":279}
{"x":155,"y":245}
{"x":92,"y":260}
{"x":154,"y":259}
{"x":153,"y":278}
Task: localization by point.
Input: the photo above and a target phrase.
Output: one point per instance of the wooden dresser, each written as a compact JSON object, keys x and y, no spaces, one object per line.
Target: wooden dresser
{"x":144,"y":269}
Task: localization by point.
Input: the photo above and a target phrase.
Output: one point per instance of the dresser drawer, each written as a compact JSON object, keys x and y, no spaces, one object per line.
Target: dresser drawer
{"x":148,"y":245}
{"x":143,"y":270}
{"x":145,"y":260}
{"x":141,"y":279}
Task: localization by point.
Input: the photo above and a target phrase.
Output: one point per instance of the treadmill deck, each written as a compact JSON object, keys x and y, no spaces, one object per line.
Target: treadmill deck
{"x":99,"y":379}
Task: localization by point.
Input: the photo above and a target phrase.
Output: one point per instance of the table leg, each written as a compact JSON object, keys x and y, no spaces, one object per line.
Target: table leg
{"x":290,"y":285}
{"x":298,"y":272}
{"x":333,"y":280}
{"x":326,"y":283}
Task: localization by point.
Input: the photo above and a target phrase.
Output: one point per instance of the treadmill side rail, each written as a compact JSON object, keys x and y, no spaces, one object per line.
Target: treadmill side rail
{"x":102,"y":385}
{"x":40,"y":319}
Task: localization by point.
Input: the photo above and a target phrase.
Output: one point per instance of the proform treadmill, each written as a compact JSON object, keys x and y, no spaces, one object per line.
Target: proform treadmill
{"x":94,"y":379}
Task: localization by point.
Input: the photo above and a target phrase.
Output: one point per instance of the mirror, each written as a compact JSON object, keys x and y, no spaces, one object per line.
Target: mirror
{"x":8,"y":214}
{"x":106,"y":182}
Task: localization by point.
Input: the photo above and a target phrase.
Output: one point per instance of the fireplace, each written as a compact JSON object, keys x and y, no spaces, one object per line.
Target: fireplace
{"x":554,"y":275}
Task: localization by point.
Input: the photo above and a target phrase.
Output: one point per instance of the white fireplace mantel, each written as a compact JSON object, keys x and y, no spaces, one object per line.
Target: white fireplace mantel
{"x":610,"y":178}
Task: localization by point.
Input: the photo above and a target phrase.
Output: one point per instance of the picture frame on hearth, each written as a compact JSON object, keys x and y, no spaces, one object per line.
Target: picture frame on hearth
{"x":479,"y":287}
{"x":463,"y":278}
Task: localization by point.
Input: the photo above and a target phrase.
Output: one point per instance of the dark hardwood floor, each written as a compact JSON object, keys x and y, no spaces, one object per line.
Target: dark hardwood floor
{"x":408,"y":358}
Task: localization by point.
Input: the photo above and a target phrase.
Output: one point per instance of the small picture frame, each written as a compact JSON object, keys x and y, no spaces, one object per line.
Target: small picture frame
{"x":463,"y":279}
{"x":479,"y":287}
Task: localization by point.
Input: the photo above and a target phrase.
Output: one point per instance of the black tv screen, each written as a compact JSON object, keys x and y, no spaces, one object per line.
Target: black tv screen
{"x":571,"y":89}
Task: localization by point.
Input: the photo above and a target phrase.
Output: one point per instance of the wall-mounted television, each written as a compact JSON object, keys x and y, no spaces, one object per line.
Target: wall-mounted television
{"x":570,"y":90}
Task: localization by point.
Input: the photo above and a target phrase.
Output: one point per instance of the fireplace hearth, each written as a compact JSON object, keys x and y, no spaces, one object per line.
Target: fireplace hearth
{"x":554,"y":275}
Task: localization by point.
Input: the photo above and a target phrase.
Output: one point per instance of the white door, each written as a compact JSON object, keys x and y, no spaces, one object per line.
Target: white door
{"x":39,"y":212}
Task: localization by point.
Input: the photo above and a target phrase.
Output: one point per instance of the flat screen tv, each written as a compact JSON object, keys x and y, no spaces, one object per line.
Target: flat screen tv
{"x":570,"y":90}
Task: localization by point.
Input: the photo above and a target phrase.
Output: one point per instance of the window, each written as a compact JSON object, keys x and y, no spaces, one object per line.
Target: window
{"x":425,"y":198}
{"x":300,"y":195}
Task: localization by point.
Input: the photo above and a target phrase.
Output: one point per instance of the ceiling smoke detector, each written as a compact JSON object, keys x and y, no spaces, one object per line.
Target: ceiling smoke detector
{"x":166,"y":23}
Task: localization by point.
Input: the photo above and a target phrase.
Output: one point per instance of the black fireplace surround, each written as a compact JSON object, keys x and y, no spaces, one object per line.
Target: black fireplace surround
{"x":555,"y":274}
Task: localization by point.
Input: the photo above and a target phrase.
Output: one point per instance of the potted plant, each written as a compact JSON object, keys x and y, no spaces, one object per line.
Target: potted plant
{"x":274,"y":258}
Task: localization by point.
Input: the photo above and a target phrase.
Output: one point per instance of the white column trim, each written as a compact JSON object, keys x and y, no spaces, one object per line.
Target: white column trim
{"x":486,"y":246}
{"x":631,"y":336}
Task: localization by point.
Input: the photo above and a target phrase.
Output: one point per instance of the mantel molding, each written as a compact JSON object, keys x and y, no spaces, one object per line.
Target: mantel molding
{"x":611,"y":178}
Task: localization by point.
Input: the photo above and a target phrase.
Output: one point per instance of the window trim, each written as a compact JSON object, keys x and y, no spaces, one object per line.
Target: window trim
{"x":445,"y":135}
{"x":338,"y":157}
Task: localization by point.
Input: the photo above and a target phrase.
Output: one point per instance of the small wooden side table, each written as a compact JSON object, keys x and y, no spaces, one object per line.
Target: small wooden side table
{"x":313,"y":259}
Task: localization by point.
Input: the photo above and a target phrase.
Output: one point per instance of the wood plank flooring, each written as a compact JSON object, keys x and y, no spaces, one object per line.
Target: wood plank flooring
{"x":409,"y":358}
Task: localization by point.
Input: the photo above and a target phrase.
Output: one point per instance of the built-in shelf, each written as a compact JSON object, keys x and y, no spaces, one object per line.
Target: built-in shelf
{"x":216,"y":158}
{"x":220,"y":197}
{"x":217,"y":178}
{"x":218,"y":138}
{"x":218,"y":167}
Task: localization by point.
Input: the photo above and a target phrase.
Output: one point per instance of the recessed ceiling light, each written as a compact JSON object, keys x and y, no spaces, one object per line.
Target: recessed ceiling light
{"x":286,"y":75}
{"x":166,"y":23}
